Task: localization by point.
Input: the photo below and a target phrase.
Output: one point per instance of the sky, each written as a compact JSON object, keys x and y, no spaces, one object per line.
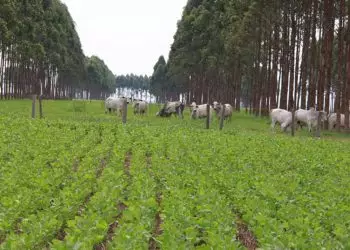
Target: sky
{"x":128,"y":35}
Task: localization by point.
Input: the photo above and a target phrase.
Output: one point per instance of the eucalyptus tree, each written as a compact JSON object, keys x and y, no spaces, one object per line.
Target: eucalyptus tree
{"x":267,"y":54}
{"x":40,"y":50}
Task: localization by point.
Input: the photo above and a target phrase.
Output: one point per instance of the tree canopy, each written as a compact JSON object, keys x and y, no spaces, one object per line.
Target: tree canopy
{"x":262,"y":54}
{"x":40,"y":53}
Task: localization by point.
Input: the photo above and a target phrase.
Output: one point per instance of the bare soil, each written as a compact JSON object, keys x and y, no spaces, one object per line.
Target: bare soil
{"x":245,"y":236}
{"x":111,"y":229}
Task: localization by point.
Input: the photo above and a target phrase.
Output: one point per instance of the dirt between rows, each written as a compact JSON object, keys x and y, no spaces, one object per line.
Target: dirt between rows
{"x":61,"y":234}
{"x":157,"y":231}
{"x":120,"y":207}
{"x":111,"y":228}
{"x":245,"y":236}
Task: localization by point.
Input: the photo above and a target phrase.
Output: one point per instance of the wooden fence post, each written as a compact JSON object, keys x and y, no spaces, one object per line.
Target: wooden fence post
{"x":125,"y":111}
{"x":222,"y":118}
{"x":208,"y":116}
{"x":318,"y":130}
{"x":41,"y":106}
{"x":33,"y":106}
{"x":293,"y":120}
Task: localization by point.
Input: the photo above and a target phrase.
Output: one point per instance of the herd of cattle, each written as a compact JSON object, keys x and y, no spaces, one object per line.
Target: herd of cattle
{"x":304,"y":117}
{"x":283,"y":117}
{"x":170,"y":108}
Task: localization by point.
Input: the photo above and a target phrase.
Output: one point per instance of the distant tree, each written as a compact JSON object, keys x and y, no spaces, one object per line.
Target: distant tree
{"x":137,"y":84}
{"x":158,"y":81}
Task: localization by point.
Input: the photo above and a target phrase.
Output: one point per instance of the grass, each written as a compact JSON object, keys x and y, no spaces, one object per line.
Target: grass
{"x":94,"y":111}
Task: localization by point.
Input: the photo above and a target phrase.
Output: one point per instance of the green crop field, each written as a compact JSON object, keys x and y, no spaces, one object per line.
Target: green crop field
{"x":80,"y":179}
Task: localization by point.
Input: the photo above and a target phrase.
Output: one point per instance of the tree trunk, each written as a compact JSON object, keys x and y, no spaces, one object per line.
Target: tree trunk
{"x":284,"y":61}
{"x":292,"y":52}
{"x":329,"y":36}
{"x":340,"y":64}
{"x":273,"y":93}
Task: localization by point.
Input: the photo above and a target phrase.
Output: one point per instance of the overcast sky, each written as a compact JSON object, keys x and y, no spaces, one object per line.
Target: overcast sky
{"x":129,"y":35}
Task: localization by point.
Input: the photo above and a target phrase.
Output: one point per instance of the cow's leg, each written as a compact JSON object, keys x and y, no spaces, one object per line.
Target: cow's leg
{"x":309,"y":127}
{"x":273,"y":123}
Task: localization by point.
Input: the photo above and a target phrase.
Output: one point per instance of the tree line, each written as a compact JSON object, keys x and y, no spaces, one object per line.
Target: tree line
{"x":137,"y":85}
{"x":262,"y":54}
{"x":40,"y":53}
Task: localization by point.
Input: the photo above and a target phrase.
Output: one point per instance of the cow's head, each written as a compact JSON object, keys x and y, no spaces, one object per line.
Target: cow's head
{"x":162,"y":113}
{"x":216,"y":106}
{"x":194,"y":112}
{"x":323,"y":116}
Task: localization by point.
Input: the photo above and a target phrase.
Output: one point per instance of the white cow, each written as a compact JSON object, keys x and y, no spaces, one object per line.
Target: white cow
{"x":218,"y":109}
{"x":192,"y":106}
{"x":309,"y":117}
{"x":282,"y":116}
{"x":332,"y":121}
{"x":170,"y":108}
{"x":200,"y":111}
{"x":115,"y":104}
{"x":140,"y":107}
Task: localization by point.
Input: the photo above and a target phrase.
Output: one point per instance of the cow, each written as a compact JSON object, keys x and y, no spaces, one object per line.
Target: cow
{"x":200,"y":111}
{"x":282,"y":116}
{"x":332,"y":121}
{"x":170,"y":108}
{"x":115,"y":104}
{"x":192,"y":106}
{"x":309,"y":117}
{"x":218,"y":107}
{"x":140,"y":107}
{"x":300,"y":117}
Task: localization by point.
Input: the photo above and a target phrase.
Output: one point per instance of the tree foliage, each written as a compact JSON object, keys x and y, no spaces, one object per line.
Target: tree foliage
{"x":40,"y":53}
{"x":264,"y":54}
{"x":136,"y":84}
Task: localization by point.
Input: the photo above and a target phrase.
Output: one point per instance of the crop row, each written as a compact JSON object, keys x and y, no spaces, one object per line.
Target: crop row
{"x":170,"y":187}
{"x":51,"y":185}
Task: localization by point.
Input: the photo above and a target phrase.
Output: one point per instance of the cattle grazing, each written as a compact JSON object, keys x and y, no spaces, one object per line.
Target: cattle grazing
{"x":200,"y":111}
{"x":140,"y":107}
{"x":281,"y":116}
{"x":192,"y":106}
{"x":332,"y":121}
{"x":309,"y":117}
{"x":115,"y":104}
{"x":170,"y":108}
{"x":218,"y":107}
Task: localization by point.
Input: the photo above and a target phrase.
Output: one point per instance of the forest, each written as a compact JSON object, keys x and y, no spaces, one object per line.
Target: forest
{"x":261,"y":55}
{"x":41,"y":53}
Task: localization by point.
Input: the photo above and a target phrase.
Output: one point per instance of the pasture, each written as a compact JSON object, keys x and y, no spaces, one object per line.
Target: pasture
{"x":80,"y":179}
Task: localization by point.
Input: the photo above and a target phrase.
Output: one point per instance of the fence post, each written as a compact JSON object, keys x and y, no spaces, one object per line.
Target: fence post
{"x":33,"y":106}
{"x":222,"y":118}
{"x":318,"y":130}
{"x":208,"y":116}
{"x":41,"y":106}
{"x":293,"y":120}
{"x":125,"y":111}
